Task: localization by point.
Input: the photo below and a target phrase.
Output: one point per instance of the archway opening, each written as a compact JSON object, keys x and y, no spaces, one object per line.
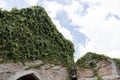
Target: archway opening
{"x":28,"y":77}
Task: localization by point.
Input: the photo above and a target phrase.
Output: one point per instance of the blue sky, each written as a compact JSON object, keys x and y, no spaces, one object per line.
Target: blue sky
{"x":92,"y":25}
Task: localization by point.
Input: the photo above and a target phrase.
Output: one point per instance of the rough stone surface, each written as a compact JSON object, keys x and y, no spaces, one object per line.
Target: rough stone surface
{"x":107,"y":70}
{"x":13,"y":71}
{"x":114,"y":79}
{"x":23,"y":73}
{"x":94,"y":78}
{"x":85,"y":73}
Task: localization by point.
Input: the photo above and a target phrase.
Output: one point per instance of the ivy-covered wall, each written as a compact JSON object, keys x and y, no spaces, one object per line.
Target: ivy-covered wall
{"x":98,"y":66}
{"x":29,"y":34}
{"x":90,"y":59}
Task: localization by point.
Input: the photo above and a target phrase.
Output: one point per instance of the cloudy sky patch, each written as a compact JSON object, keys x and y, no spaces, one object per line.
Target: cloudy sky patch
{"x":3,"y":4}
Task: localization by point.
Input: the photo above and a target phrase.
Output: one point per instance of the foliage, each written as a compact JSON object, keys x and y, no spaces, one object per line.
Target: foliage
{"x":117,"y":62}
{"x":97,"y":75}
{"x":29,"y":34}
{"x":89,"y":60}
{"x":100,"y":78}
{"x":34,"y":66}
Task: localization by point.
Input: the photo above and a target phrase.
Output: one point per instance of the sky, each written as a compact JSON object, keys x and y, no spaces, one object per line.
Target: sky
{"x":92,"y":25}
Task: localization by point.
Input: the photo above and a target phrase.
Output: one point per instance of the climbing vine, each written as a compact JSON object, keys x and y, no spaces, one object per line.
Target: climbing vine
{"x":89,"y":61}
{"x":90,"y":57}
{"x":29,"y":34}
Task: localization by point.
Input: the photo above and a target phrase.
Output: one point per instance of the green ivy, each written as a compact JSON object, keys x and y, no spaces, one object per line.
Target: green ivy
{"x":29,"y":34}
{"x":90,"y":57}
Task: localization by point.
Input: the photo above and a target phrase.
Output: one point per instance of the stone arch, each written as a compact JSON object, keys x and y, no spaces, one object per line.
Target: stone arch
{"x":25,"y":75}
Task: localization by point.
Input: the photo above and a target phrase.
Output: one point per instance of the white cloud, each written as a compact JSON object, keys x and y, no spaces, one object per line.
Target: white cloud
{"x":32,"y":2}
{"x":73,"y":8}
{"x":66,"y":33}
{"x":52,"y":8}
{"x":3,"y":4}
{"x":104,"y":36}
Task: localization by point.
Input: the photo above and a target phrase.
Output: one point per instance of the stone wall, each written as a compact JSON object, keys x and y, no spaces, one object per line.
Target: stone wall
{"x":13,"y":71}
{"x":106,"y":70}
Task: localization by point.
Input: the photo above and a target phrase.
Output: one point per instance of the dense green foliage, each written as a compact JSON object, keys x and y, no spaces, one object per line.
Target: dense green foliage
{"x":29,"y":34}
{"x":89,"y":60}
